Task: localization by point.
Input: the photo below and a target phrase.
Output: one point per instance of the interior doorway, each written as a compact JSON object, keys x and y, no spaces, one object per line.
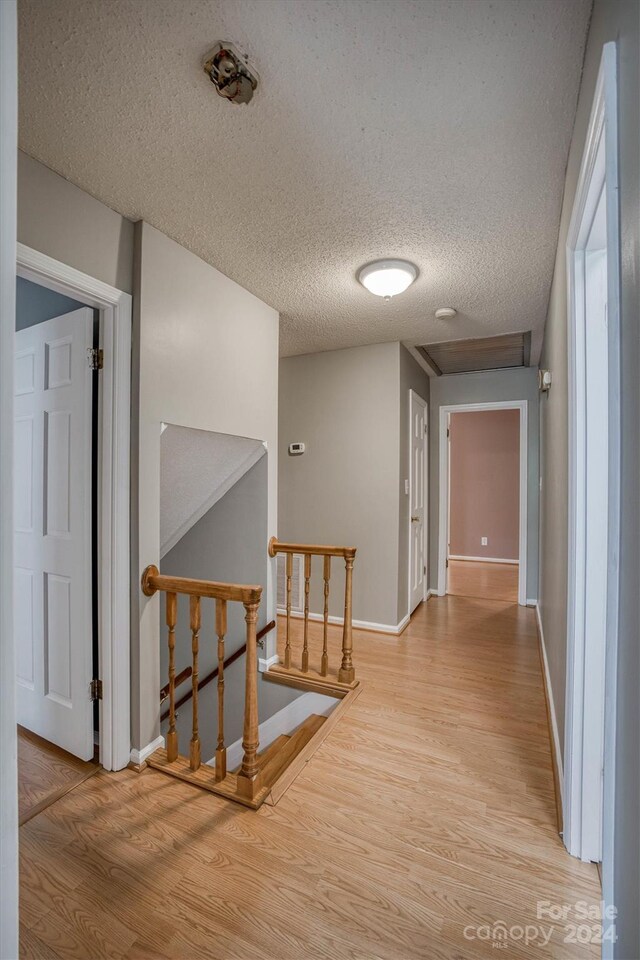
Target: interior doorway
{"x":55,"y":510}
{"x":483,"y":501}
{"x":108,"y":441}
{"x":418,"y":499}
{"x":593,"y":264}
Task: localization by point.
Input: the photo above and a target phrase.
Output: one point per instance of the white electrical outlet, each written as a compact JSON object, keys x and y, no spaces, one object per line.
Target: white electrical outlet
{"x":484,"y":541}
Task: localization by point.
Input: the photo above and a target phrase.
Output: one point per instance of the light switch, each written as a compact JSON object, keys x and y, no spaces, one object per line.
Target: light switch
{"x":484,"y":541}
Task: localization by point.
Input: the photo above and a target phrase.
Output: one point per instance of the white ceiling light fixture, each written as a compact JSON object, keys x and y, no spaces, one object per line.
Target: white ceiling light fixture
{"x":445,"y":313}
{"x":387,"y":278}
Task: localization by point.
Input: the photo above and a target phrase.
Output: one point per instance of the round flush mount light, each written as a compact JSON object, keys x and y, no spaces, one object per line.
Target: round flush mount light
{"x":445,"y":313}
{"x":387,"y":278}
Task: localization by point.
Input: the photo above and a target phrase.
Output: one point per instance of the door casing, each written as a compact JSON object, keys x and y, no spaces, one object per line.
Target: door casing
{"x":443,"y":499}
{"x":413,"y":396}
{"x":114,"y":485}
{"x":599,"y":169}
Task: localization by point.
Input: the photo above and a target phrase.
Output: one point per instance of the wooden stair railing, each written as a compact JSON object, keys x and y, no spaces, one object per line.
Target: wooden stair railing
{"x":247,"y":780}
{"x":346,"y":671}
{"x":186,"y":673}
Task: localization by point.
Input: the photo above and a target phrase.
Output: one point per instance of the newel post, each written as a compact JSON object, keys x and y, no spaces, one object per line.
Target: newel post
{"x":347,"y":673}
{"x":248,"y":778}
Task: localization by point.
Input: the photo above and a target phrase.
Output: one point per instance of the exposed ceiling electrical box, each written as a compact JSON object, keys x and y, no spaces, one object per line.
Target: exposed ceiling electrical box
{"x":229,"y":72}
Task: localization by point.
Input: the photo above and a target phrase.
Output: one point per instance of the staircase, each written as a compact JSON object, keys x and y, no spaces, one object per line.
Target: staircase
{"x":262,"y":776}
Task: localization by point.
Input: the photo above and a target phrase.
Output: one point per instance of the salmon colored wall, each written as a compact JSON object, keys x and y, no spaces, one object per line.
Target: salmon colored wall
{"x":484,"y":483}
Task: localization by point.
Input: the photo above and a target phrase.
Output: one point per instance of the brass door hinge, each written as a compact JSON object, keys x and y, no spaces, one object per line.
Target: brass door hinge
{"x":95,"y":690}
{"x":95,"y":357}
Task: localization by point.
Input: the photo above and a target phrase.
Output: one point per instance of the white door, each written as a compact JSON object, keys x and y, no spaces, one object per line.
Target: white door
{"x":417,"y":497}
{"x":52,"y":518}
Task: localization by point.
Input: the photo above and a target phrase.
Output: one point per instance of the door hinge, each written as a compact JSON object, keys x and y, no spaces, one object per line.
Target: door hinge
{"x":447,"y":563}
{"x":95,"y":690}
{"x":448,"y":432}
{"x":95,"y":357}
{"x":424,"y":570}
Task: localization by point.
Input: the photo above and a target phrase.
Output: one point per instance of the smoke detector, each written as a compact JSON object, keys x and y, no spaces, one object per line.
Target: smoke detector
{"x":445,"y":313}
{"x":229,"y":72}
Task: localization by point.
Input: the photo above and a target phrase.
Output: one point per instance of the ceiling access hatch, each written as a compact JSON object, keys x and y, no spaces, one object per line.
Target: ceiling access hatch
{"x":484,"y":353}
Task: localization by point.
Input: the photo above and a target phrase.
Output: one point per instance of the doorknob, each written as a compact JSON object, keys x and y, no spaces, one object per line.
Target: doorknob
{"x":415,"y":519}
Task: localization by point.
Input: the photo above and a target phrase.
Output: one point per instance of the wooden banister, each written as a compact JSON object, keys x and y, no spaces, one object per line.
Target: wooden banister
{"x":247,"y":781}
{"x":186,"y":673}
{"x":315,"y":549}
{"x":346,"y":671}
{"x":153,"y":580}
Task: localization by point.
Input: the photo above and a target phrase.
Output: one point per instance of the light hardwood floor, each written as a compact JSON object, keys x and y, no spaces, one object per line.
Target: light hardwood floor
{"x":428,"y":809}
{"x":45,"y":773}
{"x":488,"y":581}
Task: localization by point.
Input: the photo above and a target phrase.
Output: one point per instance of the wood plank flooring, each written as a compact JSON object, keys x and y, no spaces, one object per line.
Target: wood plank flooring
{"x":428,"y":811}
{"x":488,"y":581}
{"x":45,"y":773}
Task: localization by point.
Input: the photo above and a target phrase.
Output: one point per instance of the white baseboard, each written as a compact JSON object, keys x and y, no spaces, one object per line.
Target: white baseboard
{"x":484,"y":559}
{"x":264,"y":665}
{"x":393,"y":629}
{"x":284,"y":721}
{"x":552,"y":709}
{"x":532,"y":603}
{"x":139,"y":756}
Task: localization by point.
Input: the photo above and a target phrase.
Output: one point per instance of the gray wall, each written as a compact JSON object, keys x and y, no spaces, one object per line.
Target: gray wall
{"x":612,"y":20}
{"x":344,"y":405}
{"x":35,"y":304}
{"x":412,"y":377}
{"x":351,"y":409}
{"x":520,"y":383}
{"x":227,"y":544}
{"x":57,"y":218}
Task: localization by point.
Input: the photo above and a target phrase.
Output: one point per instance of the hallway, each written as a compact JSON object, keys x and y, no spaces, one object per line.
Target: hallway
{"x":487,"y":581}
{"x":428,"y":811}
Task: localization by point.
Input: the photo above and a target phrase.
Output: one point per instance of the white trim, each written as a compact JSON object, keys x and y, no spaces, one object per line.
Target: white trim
{"x":394,"y":629}
{"x":115,"y":490}
{"x":584,"y":698}
{"x":425,"y":521}
{"x":139,"y":756}
{"x":552,"y":708}
{"x":513,"y":563}
{"x":266,"y":664}
{"x":532,"y":602}
{"x":443,"y":493}
{"x":284,"y":721}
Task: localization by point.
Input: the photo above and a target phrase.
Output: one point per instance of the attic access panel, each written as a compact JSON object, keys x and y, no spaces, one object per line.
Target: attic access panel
{"x":483,"y":353}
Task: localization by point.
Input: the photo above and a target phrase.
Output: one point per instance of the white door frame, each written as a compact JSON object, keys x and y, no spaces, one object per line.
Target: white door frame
{"x":425,"y":525}
{"x":586,"y":693}
{"x":443,"y":498}
{"x":113,"y":490}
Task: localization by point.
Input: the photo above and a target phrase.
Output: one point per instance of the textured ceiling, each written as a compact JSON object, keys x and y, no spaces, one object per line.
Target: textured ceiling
{"x":435,"y":130}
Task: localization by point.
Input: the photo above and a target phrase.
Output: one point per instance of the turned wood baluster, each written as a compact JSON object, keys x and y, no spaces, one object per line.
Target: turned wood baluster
{"x":248,"y":778}
{"x":305,"y":643}
{"x":347,"y":674}
{"x":287,"y":649}
{"x":172,"y":736}
{"x":221,"y":629}
{"x":194,"y":746}
{"x":324,"y":663}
